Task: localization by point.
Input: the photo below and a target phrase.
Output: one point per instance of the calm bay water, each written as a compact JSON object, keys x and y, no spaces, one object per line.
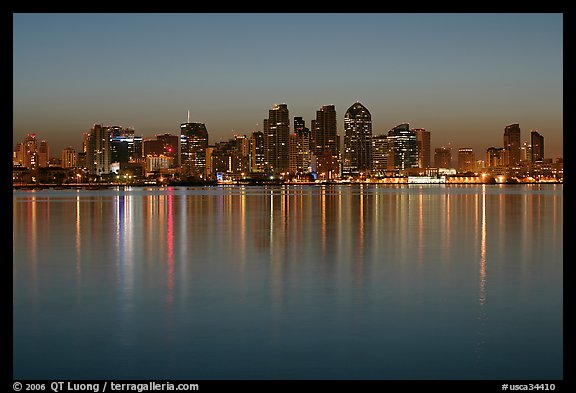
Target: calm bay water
{"x":294,"y":282}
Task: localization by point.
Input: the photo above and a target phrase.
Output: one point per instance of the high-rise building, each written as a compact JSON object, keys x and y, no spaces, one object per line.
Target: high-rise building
{"x":379,"y":154}
{"x":227,"y":157}
{"x":495,"y":157}
{"x":357,"y":140}
{"x":125,"y":146}
{"x":466,"y":160}
{"x":98,"y":150}
{"x":423,"y":146}
{"x":323,"y":137}
{"x":512,"y":144}
{"x":276,"y":139}
{"x":43,"y":154}
{"x":257,"y":151}
{"x":17,"y":157}
{"x":170,"y":147}
{"x":443,"y":157}
{"x":537,"y":141}
{"x":526,"y":152}
{"x":68,"y":157}
{"x":29,"y":152}
{"x":302,"y":146}
{"x":193,"y":144}
{"x":402,"y":148}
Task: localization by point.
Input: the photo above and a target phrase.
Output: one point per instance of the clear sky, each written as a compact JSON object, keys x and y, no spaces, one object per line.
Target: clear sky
{"x":463,"y":77}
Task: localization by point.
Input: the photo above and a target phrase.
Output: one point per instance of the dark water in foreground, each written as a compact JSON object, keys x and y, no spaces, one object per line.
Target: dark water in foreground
{"x":299,"y":282}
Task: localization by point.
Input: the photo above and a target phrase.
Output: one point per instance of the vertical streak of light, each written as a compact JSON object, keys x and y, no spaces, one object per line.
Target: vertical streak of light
{"x":323,"y":220}
{"x":33,"y":241}
{"x":483,"y":252}
{"x":421,"y":230}
{"x":170,"y":256}
{"x":271,"y":239}
{"x":242,"y":228}
{"x":482,"y":279}
{"x":78,"y":239}
{"x":359,"y":265}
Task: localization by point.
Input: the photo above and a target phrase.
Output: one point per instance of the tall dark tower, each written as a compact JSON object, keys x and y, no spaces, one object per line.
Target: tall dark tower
{"x":512,"y":143}
{"x":276,"y":138}
{"x":357,"y":140}
{"x":193,"y":144}
{"x":323,"y":135}
{"x":537,"y":142}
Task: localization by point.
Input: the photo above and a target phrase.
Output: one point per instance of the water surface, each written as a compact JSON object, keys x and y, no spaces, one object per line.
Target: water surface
{"x":293,"y":282}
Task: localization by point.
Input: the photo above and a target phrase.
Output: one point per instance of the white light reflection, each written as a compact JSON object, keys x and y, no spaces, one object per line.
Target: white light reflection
{"x":482,"y":279}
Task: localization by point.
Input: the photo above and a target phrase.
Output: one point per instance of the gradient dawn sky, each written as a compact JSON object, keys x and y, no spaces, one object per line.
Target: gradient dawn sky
{"x":463,"y":77}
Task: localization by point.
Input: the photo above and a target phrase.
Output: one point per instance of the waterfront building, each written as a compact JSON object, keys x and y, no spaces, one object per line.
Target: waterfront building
{"x":423,"y":147}
{"x":98,"y":150}
{"x":512,"y":144}
{"x":466,"y":161}
{"x":379,"y":154}
{"x":357,"y":140}
{"x":402,"y":148}
{"x":68,"y":157}
{"x":276,"y":139}
{"x":193,"y":144}
{"x":537,"y":141}
{"x":443,"y":157}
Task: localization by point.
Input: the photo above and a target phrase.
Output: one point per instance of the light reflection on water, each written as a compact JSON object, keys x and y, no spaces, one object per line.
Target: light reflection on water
{"x":305,"y":282}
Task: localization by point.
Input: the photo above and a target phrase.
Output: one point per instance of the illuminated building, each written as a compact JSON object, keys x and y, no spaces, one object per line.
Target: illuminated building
{"x":495,"y":157}
{"x":276,"y":139}
{"x":257,"y":151}
{"x":537,"y":141}
{"x":193,"y":144}
{"x":43,"y":155}
{"x":423,"y":147}
{"x":443,"y":157}
{"x":357,"y":140}
{"x":68,"y":157}
{"x":303,"y":137}
{"x":402,"y":148}
{"x":379,"y":154}
{"x":512,"y":144}
{"x":29,"y":152}
{"x":98,"y":150}
{"x":125,"y":147}
{"x":466,"y":160}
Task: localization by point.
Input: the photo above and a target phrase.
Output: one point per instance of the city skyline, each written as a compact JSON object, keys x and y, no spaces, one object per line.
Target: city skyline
{"x":463,"y":77}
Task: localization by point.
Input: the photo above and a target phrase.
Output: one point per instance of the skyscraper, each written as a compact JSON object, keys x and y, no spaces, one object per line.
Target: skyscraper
{"x":537,"y":142}
{"x":170,"y":146}
{"x":495,"y":157}
{"x":193,"y":144}
{"x":466,"y":161}
{"x":402,"y":148}
{"x":512,"y":144}
{"x":257,"y":151}
{"x":302,"y":154}
{"x":98,"y":150}
{"x":276,"y":139}
{"x":443,"y":157}
{"x":423,"y":146}
{"x":68,"y":157}
{"x":379,"y":154}
{"x":124,"y":145}
{"x":323,"y":134}
{"x":29,"y":152}
{"x":43,"y":154}
{"x":324,"y":142}
{"x":357,"y":140}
